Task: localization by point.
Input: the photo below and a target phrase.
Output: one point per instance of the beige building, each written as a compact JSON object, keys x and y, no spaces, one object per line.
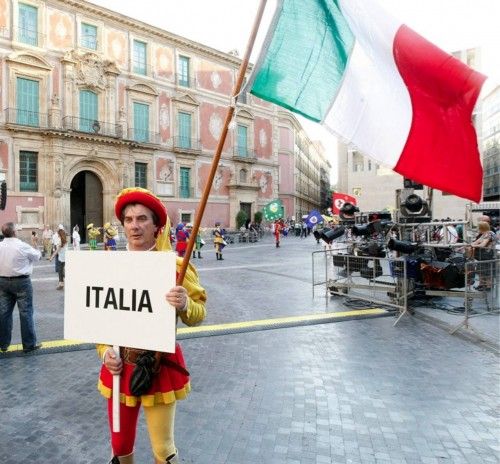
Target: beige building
{"x":93,"y":101}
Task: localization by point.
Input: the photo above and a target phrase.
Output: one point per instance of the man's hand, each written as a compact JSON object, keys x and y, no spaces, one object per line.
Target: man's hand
{"x":113,"y":363}
{"x":177,"y":297}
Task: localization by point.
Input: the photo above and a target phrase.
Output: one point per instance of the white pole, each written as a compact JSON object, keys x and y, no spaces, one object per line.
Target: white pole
{"x":116,"y":394}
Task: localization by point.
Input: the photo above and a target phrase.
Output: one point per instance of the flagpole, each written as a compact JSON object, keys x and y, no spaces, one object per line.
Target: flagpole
{"x":215,"y":163}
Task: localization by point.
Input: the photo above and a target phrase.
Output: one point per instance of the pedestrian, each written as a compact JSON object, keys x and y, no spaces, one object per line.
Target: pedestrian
{"x":34,"y":239}
{"x":483,"y":249}
{"x":180,"y":240}
{"x":110,"y":233}
{"x":93,"y":233}
{"x":76,"y":238}
{"x":143,"y":217}
{"x":60,"y":255}
{"x":16,"y":267}
{"x":303,"y":232}
{"x":277,"y":232}
{"x":47,"y":241}
{"x":56,"y":242}
{"x":199,"y":242}
{"x":219,"y":242}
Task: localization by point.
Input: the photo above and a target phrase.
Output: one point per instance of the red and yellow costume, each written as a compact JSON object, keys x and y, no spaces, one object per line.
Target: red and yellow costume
{"x":169,"y":384}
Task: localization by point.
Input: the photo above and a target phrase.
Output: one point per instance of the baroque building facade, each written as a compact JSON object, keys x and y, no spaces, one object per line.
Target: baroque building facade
{"x":94,"y":101}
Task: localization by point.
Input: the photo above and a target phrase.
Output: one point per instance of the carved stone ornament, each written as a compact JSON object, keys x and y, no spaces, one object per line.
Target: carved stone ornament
{"x":90,"y":71}
{"x":216,"y":79}
{"x":215,"y":125}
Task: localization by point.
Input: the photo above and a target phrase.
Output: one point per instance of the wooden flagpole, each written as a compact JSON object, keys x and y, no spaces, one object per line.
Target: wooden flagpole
{"x":215,"y":163}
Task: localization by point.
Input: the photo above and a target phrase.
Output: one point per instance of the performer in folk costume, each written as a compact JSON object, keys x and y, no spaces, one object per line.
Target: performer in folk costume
{"x":93,"y":233}
{"x":110,"y":233}
{"x":146,"y":228}
{"x":198,"y":241}
{"x":181,"y":238}
{"x":219,"y":242}
{"x":277,"y":231}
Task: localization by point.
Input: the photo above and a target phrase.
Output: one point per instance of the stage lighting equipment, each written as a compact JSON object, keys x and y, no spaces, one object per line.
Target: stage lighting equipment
{"x":402,"y":246}
{"x":329,"y":235}
{"x":317,"y":233}
{"x":414,"y":208}
{"x":347,"y":211}
{"x":363,"y":230}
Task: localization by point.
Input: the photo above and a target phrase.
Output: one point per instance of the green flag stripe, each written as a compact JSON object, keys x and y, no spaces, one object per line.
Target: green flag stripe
{"x":304,"y":57}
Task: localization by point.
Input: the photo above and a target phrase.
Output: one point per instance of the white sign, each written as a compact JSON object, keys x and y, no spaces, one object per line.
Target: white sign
{"x":118,"y":298}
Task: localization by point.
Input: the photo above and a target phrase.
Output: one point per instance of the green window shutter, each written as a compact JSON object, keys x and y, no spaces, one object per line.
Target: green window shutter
{"x":141,"y":175}
{"x":184,"y":130}
{"x":139,"y":57}
{"x":185,"y":174}
{"x":242,"y":140}
{"x":89,"y":36}
{"x":28,"y":24}
{"x":183,"y":71}
{"x":27,"y":102}
{"x":28,"y":171}
{"x":141,"y":122}
{"x":88,"y":110}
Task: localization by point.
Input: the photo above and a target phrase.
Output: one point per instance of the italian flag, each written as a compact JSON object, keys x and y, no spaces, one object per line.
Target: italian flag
{"x":377,"y":84}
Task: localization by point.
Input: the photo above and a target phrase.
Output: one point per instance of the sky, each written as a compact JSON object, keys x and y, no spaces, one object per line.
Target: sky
{"x":226,"y":25}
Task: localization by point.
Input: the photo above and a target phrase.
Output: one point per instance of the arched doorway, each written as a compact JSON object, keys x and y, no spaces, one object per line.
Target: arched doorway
{"x":86,"y":201}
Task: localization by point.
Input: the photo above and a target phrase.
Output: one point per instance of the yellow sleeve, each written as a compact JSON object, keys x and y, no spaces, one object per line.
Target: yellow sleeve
{"x":197,"y":297}
{"x":101,"y":349}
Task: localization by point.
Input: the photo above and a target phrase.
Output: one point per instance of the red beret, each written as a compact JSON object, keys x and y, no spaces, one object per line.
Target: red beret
{"x":143,"y":197}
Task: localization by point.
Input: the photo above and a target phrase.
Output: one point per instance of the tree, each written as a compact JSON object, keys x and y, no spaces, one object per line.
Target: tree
{"x":257,"y":217}
{"x":241,"y":218}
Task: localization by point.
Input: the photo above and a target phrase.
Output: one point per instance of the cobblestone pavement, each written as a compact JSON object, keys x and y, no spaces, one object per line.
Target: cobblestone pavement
{"x":359,"y":391}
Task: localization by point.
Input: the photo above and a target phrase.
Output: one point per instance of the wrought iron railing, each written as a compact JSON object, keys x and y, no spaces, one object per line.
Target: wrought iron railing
{"x":242,"y":153}
{"x":26,"y":118}
{"x":186,"y":144}
{"x":186,"y":192}
{"x":92,"y":126}
{"x":142,"y":135}
{"x":185,"y":81}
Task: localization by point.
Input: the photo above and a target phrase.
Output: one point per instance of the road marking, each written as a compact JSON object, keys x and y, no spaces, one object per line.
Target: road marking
{"x":259,"y":324}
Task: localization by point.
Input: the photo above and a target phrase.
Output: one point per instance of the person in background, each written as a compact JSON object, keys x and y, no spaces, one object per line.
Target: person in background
{"x":180,"y":240}
{"x":219,"y":242}
{"x":16,"y":267}
{"x":110,"y":233}
{"x":34,"y":239}
{"x":198,"y":241}
{"x":47,"y":241}
{"x":60,"y":254}
{"x":277,"y":232}
{"x":483,"y":249}
{"x":56,"y":242}
{"x":76,"y":237}
{"x":93,"y":233}
{"x":144,"y":219}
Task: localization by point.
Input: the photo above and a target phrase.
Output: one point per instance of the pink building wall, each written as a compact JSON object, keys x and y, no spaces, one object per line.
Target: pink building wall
{"x":286,"y":173}
{"x":221,"y":179}
{"x":164,"y":117}
{"x":211,"y":122}
{"x":61,"y":29}
{"x":263,"y":138}
{"x":214,"y":78}
{"x":165,"y":62}
{"x":4,"y":155}
{"x":286,"y":139}
{"x":213,"y":212}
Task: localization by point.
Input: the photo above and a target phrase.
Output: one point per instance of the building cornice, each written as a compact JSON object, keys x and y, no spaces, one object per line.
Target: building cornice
{"x":127,"y":22}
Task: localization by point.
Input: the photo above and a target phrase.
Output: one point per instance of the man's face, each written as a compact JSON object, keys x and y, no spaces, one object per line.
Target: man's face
{"x":139,"y":227}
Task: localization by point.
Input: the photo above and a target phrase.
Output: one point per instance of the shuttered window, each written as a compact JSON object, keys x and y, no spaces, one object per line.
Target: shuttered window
{"x":184,"y":129}
{"x":27,"y":102}
{"x":139,"y":57}
{"x":89,"y":36}
{"x":141,"y":179}
{"x":141,"y":122}
{"x":28,"y":24}
{"x":28,"y":171}
{"x":185,"y":174}
{"x":88,"y":111}
{"x":242,"y":140}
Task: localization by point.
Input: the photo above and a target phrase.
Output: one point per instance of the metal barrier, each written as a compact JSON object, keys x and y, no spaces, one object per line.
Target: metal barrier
{"x":380,"y":281}
{"x":482,"y":299}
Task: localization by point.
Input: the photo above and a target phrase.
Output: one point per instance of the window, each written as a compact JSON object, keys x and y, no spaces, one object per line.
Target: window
{"x":184,"y":190}
{"x":28,"y":24}
{"x":183,"y":71}
{"x":88,"y":112}
{"x":186,"y":218}
{"x":141,"y":179}
{"x":141,"y":122}
{"x":27,"y":102}
{"x":139,"y":58}
{"x":89,"y":36}
{"x":242,"y":148}
{"x":184,"y":130}
{"x":28,"y":171}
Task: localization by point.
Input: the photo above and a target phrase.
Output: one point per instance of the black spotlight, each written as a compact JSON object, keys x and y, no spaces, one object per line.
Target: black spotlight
{"x":414,"y":206}
{"x":317,"y":233}
{"x":402,"y":246}
{"x":348,"y":210}
{"x":331,"y":234}
{"x":363,"y":230}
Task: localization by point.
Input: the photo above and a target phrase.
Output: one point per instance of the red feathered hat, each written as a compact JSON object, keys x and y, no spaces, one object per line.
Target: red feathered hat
{"x":143,"y":197}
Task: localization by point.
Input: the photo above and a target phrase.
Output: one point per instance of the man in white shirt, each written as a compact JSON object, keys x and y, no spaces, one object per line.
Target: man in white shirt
{"x":16,"y":267}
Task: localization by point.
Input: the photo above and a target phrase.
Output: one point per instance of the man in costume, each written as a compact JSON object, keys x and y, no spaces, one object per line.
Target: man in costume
{"x":181,"y":238}
{"x":110,"y":233}
{"x":198,"y":241}
{"x":219,"y":242}
{"x":146,"y":228}
{"x":93,"y":233}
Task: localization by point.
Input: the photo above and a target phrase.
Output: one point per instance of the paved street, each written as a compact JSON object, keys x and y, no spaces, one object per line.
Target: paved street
{"x":353,"y":391}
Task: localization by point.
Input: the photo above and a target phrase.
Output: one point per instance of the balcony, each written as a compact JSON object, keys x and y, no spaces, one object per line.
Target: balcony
{"x":143,"y":136}
{"x":26,"y":118}
{"x":186,"y":192}
{"x":244,"y":154}
{"x":29,"y":37}
{"x":186,"y":145}
{"x":92,"y":126}
{"x":185,"y":81}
